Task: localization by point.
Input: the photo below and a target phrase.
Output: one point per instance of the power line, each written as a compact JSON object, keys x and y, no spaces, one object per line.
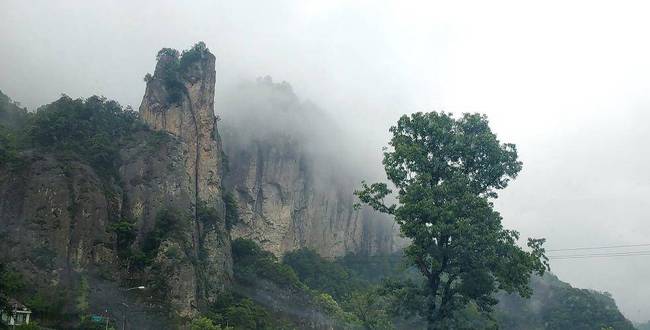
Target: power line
{"x":599,"y":247}
{"x":600,"y":255}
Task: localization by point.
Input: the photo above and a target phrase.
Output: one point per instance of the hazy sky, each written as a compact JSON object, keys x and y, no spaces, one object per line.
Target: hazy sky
{"x":567,"y":81}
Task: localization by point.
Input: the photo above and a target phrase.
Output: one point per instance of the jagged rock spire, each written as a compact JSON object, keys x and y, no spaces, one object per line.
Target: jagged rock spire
{"x":179,"y":99}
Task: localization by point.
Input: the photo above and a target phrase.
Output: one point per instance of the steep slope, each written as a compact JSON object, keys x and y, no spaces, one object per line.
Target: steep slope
{"x":179,"y":99}
{"x":90,"y":196}
{"x":289,"y":171}
{"x":558,"y":305}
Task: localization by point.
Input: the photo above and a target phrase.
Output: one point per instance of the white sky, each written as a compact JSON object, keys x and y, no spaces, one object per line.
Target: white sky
{"x":567,"y":81}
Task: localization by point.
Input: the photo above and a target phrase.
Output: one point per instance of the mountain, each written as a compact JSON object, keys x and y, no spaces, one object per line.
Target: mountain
{"x":95,"y":196}
{"x":288,"y":170}
{"x":244,"y":218}
{"x":102,"y":197}
{"x":558,"y":305}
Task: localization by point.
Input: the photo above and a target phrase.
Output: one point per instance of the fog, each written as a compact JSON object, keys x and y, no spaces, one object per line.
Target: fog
{"x":569,"y":83}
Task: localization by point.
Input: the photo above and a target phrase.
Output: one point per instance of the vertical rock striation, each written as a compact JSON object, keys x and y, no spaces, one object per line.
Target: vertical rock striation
{"x":293,"y":176}
{"x":285,"y":204}
{"x":179,"y":100}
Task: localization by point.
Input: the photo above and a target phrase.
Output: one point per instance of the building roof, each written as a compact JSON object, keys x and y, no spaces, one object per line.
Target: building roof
{"x":17,"y":305}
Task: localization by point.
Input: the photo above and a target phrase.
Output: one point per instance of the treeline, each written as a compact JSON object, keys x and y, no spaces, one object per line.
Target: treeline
{"x":299,"y":290}
{"x":89,"y":130}
{"x":381,"y":292}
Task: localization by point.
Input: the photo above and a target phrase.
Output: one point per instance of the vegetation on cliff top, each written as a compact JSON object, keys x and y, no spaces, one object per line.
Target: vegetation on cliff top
{"x":355,"y":291}
{"x":89,"y":130}
{"x":172,"y":66}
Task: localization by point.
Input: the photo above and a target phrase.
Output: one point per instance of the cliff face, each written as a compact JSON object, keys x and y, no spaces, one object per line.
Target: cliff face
{"x":57,"y":218}
{"x":285,"y":204}
{"x":184,"y":107}
{"x":179,"y":99}
{"x":52,"y":216}
{"x":63,"y":219}
{"x":288,"y":169}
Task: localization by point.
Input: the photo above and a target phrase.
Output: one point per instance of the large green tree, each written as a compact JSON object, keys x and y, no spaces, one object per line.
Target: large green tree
{"x":445,"y":172}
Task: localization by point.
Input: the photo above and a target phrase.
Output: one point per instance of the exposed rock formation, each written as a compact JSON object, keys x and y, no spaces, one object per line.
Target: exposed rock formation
{"x":179,"y":99}
{"x":289,"y":170}
{"x":284,"y":205}
{"x":52,"y":217}
{"x":58,"y":213}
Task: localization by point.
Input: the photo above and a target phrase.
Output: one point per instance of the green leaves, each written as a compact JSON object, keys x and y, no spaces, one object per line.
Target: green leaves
{"x":373,"y":195}
{"x":252,"y":263}
{"x":445,"y":169}
{"x":172,"y":65}
{"x":90,"y":129}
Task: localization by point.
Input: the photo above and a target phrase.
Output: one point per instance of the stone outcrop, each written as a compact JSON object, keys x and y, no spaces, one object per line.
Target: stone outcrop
{"x":179,"y":100}
{"x":54,"y":218}
{"x":285,"y":205}
{"x":184,"y":107}
{"x":289,"y":171}
{"x":58,"y":213}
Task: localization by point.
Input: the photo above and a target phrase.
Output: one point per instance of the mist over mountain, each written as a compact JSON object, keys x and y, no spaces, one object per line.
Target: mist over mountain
{"x":111,"y":199}
{"x":152,"y":182}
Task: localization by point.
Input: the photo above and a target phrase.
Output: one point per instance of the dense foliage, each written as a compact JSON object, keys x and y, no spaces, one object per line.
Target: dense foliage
{"x":125,"y":234}
{"x":239,"y":312}
{"x":445,"y":170}
{"x":90,"y":129}
{"x":172,"y":65}
{"x":204,"y":323}
{"x":12,"y":120}
{"x":357,"y":291}
{"x":9,"y":149}
{"x":232,"y":210}
{"x":171,"y":223}
{"x":321,"y":274}
{"x":207,"y":215}
{"x":360,"y":307}
{"x":251,"y":263}
{"x":557,"y":305}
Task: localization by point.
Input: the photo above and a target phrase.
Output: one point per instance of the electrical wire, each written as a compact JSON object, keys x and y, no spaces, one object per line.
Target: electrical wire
{"x":599,"y":247}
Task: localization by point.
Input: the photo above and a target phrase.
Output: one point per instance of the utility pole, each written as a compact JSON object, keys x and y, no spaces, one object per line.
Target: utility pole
{"x":127,"y":306}
{"x":124,"y":316}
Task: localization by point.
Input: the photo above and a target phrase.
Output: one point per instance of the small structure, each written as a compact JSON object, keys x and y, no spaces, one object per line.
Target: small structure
{"x":19,"y":313}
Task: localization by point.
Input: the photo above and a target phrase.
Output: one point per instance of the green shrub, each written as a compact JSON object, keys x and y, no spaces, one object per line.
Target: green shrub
{"x":170,"y":224}
{"x":173,"y":66}
{"x":204,"y":323}
{"x":9,"y":150}
{"x":125,"y":235}
{"x":322,"y":274}
{"x":232,"y":211}
{"x":33,"y":325}
{"x":208,"y":216}
{"x":192,"y":55}
{"x":240,"y":312}
{"x":251,"y":262}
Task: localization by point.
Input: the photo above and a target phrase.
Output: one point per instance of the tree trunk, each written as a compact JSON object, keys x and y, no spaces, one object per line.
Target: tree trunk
{"x":432,"y":315}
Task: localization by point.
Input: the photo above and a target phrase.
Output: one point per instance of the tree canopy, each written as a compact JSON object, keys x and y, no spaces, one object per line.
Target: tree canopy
{"x":445,"y":171}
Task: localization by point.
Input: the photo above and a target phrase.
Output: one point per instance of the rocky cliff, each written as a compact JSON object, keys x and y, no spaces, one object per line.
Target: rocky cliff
{"x":284,"y":205}
{"x":288,"y":171}
{"x":94,"y":200}
{"x":90,"y":193}
{"x":179,"y":100}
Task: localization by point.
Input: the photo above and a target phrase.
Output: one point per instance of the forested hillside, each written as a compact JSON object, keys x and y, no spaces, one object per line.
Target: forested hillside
{"x":96,"y":201}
